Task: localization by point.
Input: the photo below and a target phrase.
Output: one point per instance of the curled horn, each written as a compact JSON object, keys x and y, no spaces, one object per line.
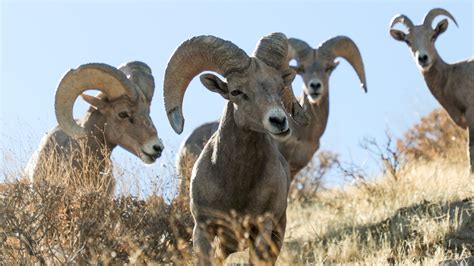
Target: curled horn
{"x":140,"y":74}
{"x":401,"y":19}
{"x":273,"y":51}
{"x":107,"y":79}
{"x":297,"y":49}
{"x":198,"y":54}
{"x":342,"y":46}
{"x":433,"y":13}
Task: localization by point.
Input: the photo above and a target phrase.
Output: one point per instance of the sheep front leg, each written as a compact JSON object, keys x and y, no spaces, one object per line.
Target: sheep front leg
{"x":202,"y":245}
{"x":279,"y":233}
{"x":262,"y":248}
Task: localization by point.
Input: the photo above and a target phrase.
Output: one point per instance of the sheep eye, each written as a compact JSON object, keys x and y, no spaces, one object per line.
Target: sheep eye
{"x":123,"y":115}
{"x":329,"y":68}
{"x":236,"y":92}
{"x":407,"y":42}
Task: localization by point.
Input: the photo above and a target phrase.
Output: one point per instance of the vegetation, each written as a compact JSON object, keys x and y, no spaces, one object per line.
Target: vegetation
{"x":419,"y":211}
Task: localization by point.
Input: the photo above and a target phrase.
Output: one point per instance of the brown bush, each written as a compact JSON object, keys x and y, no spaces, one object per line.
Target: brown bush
{"x":309,"y":179}
{"x":436,"y":135}
{"x":52,"y":225}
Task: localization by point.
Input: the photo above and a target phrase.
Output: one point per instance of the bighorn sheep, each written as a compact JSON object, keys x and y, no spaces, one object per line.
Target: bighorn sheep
{"x":451,"y":84}
{"x":315,"y":66}
{"x":240,"y":168}
{"x":119,"y":115}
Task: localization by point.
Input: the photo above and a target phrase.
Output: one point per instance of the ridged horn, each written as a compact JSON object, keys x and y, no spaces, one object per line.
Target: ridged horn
{"x":292,"y":107}
{"x":297,"y":49}
{"x":198,"y":54}
{"x":433,"y":13}
{"x":273,"y":51}
{"x":140,"y":74}
{"x":342,"y":46}
{"x":401,"y":19}
{"x":107,"y":79}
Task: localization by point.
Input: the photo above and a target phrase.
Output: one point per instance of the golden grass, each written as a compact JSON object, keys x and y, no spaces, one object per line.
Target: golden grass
{"x":426,"y":216}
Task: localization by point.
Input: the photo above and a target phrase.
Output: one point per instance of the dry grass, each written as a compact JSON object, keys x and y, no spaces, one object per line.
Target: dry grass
{"x":69,"y":215}
{"x":425,"y":217}
{"x":51,"y":225}
{"x":420,"y":211}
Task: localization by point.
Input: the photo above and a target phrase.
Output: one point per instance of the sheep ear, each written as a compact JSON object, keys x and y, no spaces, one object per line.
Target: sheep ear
{"x":441,"y":27}
{"x":398,"y":35}
{"x":94,"y":101}
{"x":288,"y":76}
{"x":215,"y":84}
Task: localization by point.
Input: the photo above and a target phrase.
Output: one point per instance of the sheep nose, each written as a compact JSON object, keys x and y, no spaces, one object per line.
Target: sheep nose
{"x":315,"y":85}
{"x":422,"y":59}
{"x":278,"y":122}
{"x":158,"y":148}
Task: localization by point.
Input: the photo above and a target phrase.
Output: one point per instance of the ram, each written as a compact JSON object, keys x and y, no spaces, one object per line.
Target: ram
{"x":315,"y":67}
{"x":451,"y":84}
{"x":117,"y":116}
{"x":240,"y":169}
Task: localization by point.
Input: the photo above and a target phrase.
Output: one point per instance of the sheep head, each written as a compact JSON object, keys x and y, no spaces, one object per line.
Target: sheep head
{"x":316,"y":65}
{"x":259,"y":87}
{"x":421,"y":38}
{"x":123,"y":103}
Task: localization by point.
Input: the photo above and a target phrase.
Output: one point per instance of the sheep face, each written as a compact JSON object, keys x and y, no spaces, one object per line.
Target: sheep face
{"x":421,"y":40}
{"x":128,"y":125}
{"x":315,"y":70}
{"x":257,"y":95}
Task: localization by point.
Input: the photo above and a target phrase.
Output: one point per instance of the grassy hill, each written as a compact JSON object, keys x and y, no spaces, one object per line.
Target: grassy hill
{"x":419,"y":211}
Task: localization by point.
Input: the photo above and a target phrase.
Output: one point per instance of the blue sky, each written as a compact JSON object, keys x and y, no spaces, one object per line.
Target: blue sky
{"x":40,"y":41}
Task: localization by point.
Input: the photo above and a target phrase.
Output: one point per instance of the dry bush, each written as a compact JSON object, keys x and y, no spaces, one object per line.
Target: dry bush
{"x":69,"y":216}
{"x":309,"y":179}
{"x":50,"y":224}
{"x":435,"y":136}
{"x":82,"y":169}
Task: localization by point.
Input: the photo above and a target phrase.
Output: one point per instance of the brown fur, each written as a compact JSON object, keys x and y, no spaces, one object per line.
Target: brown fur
{"x":304,"y":142}
{"x":240,"y":172}
{"x":241,"y":169}
{"x":106,"y":129}
{"x":451,"y":84}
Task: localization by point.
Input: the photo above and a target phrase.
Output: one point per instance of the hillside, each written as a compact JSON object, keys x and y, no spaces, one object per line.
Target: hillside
{"x":419,"y":211}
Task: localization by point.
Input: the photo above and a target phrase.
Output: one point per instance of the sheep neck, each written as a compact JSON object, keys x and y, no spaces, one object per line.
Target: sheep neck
{"x":319,"y":114}
{"x":436,"y":80}
{"x":239,"y":152}
{"x":96,"y":143}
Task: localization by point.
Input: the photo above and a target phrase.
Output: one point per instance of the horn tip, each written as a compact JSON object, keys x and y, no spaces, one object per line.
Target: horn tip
{"x":364,"y":87}
{"x":176,"y":120}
